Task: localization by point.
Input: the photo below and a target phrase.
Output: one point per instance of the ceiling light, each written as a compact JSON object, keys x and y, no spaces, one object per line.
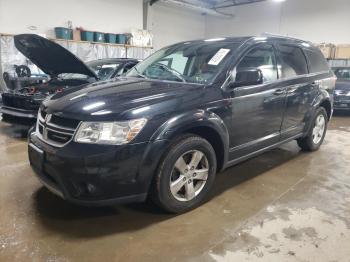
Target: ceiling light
{"x":78,"y":96}
{"x":102,"y":112}
{"x":93,"y":106}
{"x":214,"y":39}
{"x":260,"y":38}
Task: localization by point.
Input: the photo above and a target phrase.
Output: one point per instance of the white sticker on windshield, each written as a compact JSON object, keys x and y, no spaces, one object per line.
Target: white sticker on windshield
{"x":109,"y":66}
{"x":217,"y":58}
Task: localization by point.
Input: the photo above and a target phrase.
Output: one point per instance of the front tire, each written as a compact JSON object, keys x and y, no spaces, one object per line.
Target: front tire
{"x":185,"y":175}
{"x":317,"y":132}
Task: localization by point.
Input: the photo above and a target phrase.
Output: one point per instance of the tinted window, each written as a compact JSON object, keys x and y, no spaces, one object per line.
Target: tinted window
{"x":317,"y":61}
{"x":263,"y":58}
{"x":293,"y":61}
{"x":127,"y":67}
{"x":103,"y":69}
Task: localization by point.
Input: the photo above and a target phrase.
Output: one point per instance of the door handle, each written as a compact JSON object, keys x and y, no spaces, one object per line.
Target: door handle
{"x":279,"y":92}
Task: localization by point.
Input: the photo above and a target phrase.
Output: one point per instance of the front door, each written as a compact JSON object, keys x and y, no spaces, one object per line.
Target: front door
{"x":257,"y":111}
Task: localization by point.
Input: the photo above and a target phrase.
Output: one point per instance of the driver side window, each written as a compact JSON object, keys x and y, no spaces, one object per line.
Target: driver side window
{"x":263,"y":58}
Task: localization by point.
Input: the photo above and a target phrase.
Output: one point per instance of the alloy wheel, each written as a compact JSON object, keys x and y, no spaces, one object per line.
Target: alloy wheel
{"x":189,"y":175}
{"x":319,"y":129}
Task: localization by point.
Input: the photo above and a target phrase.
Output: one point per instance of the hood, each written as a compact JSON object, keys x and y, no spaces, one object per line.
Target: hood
{"x":50,"y":57}
{"x":125,"y":98}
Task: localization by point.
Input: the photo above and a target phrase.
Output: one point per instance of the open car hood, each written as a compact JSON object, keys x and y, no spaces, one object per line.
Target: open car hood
{"x":50,"y":57}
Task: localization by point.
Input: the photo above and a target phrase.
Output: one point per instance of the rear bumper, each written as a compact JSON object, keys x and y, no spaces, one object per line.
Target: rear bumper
{"x":95,"y":175}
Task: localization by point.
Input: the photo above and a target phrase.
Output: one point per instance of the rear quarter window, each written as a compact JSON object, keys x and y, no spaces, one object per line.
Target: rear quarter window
{"x":317,"y":61}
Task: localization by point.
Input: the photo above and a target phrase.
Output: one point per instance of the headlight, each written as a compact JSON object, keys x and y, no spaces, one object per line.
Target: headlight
{"x":115,"y":133}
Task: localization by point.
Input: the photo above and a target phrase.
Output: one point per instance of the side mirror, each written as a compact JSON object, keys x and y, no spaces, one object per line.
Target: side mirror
{"x":248,"y":77}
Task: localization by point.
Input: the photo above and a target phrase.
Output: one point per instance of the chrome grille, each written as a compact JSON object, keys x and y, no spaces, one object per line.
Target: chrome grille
{"x":53,"y":132}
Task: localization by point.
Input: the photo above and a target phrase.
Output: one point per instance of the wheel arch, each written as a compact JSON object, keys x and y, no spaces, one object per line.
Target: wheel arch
{"x":322,"y":100}
{"x":202,"y":123}
{"x":327,"y":105}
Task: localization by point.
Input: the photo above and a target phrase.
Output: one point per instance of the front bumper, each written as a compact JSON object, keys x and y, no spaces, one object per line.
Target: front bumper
{"x":341,"y":104}
{"x":18,"y":116}
{"x":19,"y":108}
{"x":95,"y":174}
{"x":29,"y":114}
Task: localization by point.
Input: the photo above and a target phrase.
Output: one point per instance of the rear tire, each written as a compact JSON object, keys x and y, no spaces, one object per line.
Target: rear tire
{"x":185,"y":175}
{"x":314,"y":139}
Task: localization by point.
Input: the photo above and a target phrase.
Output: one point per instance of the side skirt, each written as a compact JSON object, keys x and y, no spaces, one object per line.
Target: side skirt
{"x":260,"y":151}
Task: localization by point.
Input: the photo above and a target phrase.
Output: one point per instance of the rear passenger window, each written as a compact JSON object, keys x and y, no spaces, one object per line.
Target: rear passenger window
{"x":293,"y":61}
{"x":317,"y":61}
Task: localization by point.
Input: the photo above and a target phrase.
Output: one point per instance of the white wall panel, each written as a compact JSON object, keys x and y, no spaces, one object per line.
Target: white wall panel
{"x":315,"y":20}
{"x":101,"y":15}
{"x":171,"y":24}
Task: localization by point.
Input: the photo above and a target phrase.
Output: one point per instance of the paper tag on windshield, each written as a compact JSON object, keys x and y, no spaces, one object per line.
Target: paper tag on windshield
{"x":217,"y":58}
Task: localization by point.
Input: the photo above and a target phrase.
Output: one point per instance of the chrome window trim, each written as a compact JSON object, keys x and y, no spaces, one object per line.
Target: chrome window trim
{"x":276,"y":81}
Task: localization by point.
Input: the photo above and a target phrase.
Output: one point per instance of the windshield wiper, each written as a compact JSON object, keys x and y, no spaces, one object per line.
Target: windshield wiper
{"x":172,"y":71}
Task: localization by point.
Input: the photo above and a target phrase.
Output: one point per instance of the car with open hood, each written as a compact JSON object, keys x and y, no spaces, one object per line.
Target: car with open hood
{"x":185,"y":113}
{"x":342,"y":88}
{"x":65,"y":71}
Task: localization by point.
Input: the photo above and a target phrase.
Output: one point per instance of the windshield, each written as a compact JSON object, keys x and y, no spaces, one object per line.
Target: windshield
{"x":192,"y":62}
{"x":342,"y":73}
{"x":103,"y":69}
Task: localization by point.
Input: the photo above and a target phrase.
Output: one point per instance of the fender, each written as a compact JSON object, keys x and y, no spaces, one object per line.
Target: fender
{"x":179,"y":124}
{"x":196,"y":118}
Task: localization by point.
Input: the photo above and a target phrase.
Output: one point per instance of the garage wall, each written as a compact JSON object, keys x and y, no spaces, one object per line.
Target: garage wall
{"x":171,"y":24}
{"x":315,"y":20}
{"x":103,"y":15}
{"x":168,"y":23}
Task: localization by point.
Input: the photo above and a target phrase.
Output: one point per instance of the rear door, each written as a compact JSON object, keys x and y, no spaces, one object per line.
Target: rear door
{"x":300,"y":89}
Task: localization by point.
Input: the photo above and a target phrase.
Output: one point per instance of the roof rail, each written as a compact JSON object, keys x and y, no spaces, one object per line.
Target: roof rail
{"x":266,"y":34}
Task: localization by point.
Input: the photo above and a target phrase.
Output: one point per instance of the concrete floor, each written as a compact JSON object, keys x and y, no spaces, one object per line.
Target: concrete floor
{"x":281,"y":206}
